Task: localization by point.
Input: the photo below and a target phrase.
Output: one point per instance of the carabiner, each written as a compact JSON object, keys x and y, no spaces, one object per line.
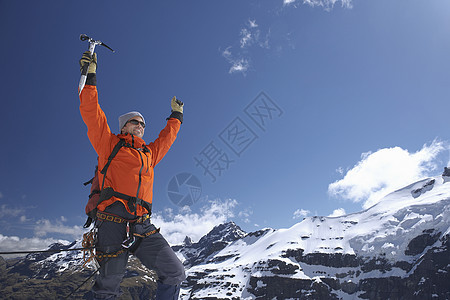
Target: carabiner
{"x":129,"y":242}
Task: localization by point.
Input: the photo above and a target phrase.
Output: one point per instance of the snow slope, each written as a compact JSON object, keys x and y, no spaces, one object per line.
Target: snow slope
{"x":384,"y":230}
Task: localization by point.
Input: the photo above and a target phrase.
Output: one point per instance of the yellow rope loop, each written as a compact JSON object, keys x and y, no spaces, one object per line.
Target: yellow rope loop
{"x":88,"y":244}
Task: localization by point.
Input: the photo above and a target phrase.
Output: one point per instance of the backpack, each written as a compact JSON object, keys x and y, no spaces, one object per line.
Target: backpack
{"x":94,"y":196}
{"x":96,"y":190}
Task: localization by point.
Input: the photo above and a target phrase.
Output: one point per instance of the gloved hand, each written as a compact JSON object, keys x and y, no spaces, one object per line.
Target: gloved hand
{"x":87,"y":59}
{"x":177,"y":105}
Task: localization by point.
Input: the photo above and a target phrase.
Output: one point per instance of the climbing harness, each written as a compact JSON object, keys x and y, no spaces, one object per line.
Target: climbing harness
{"x":117,"y":219}
{"x":130,"y":240}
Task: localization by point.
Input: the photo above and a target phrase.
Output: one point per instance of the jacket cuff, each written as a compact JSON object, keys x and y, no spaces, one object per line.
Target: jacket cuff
{"x":91,"y":79}
{"x":176,"y":115}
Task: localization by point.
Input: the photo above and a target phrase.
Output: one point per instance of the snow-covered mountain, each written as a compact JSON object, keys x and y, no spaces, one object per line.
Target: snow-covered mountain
{"x":397,"y":249}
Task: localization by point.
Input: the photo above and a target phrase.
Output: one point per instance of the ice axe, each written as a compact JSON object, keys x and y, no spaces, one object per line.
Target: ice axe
{"x":92,"y":44}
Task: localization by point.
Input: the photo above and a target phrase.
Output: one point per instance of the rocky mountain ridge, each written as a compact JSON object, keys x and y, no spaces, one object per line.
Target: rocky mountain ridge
{"x":397,"y":249}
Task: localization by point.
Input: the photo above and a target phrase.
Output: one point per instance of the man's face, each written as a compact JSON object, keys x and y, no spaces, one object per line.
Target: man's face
{"x":134,"y":126}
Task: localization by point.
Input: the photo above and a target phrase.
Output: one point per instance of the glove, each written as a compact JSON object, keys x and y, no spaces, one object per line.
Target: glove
{"x":87,"y":59}
{"x":177,"y":105}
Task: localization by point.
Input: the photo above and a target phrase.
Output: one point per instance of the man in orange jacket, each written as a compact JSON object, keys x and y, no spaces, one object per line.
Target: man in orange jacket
{"x":123,"y":217}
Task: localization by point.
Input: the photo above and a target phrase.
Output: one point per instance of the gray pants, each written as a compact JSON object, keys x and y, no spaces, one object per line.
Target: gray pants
{"x":153,"y":251}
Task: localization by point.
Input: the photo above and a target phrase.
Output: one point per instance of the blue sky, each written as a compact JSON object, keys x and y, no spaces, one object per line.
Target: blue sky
{"x":355,"y":92}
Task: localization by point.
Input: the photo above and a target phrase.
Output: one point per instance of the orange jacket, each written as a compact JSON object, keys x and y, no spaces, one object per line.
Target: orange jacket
{"x":129,"y":164}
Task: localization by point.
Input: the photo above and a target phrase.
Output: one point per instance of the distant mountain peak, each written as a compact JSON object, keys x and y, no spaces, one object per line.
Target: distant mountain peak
{"x":378,"y":253}
{"x":352,"y":256}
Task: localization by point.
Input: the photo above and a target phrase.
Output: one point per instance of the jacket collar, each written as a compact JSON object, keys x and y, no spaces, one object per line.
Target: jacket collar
{"x":133,"y":140}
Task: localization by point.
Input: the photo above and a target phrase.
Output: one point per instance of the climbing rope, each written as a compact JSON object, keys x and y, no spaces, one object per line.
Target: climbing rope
{"x":88,"y":243}
{"x":41,"y":251}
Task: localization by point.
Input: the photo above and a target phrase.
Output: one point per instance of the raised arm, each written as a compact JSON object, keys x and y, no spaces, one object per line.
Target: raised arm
{"x":93,"y":116}
{"x":167,"y":136}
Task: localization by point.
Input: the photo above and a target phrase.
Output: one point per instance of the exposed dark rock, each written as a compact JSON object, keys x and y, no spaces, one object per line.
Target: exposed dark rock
{"x":336,"y":260}
{"x":217,"y":239}
{"x":428,"y":186}
{"x":446,"y":172}
{"x":187,"y":241}
{"x":285,"y":288}
{"x":418,"y":244}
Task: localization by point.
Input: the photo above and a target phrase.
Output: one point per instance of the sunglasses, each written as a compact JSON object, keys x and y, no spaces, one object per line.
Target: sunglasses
{"x":136,"y":122}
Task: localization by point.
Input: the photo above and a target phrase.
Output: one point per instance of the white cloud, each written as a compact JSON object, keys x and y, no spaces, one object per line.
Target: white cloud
{"x":175,"y":227}
{"x":6,"y":211}
{"x":245,"y":215}
{"x":238,"y":64}
{"x":252,"y":23}
{"x":45,"y":227}
{"x":338,"y":212}
{"x":227,"y":52}
{"x":249,"y":34}
{"x":1,"y":195}
{"x":24,"y":219}
{"x":14,"y":243}
{"x":300,"y":213}
{"x":270,"y":35}
{"x":384,"y":171}
{"x":246,"y":37}
{"x":326,"y":4}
